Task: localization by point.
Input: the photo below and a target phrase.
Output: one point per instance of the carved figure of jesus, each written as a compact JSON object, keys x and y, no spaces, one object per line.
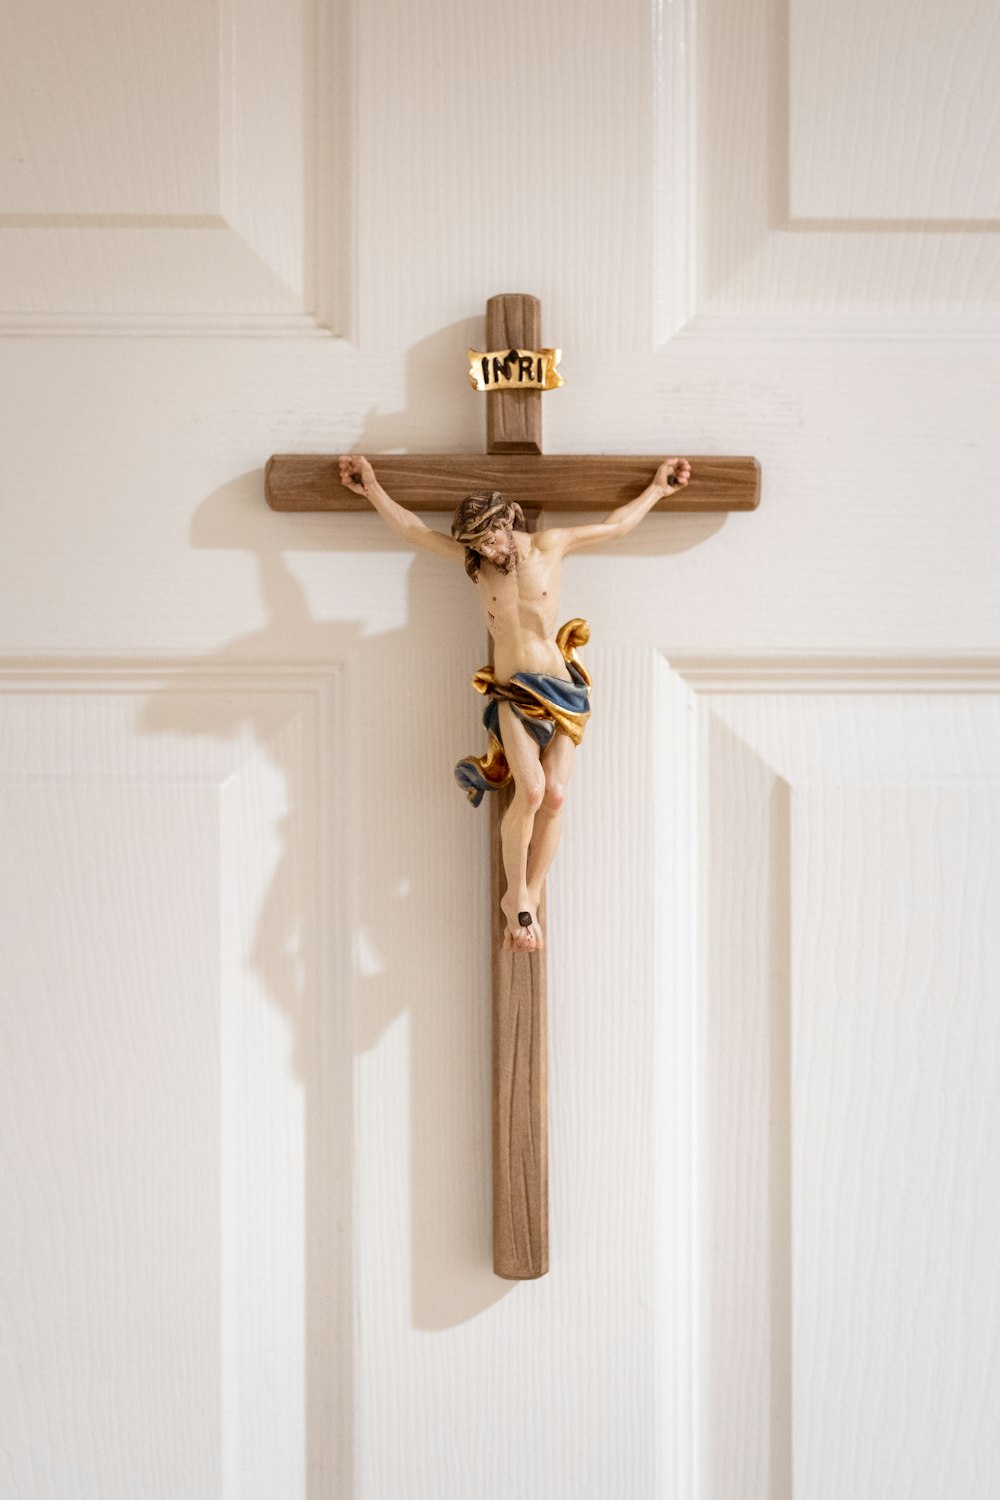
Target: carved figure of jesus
{"x":538,"y":694}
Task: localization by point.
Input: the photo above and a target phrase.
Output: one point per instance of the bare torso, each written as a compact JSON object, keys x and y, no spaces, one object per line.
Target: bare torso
{"x":521,"y":608}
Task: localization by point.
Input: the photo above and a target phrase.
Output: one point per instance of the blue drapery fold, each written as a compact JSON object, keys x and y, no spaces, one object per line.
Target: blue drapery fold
{"x":545,"y":706}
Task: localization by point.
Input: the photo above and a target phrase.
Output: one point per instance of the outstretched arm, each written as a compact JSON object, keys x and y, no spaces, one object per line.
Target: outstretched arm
{"x":357,"y":475}
{"x":672,"y":474}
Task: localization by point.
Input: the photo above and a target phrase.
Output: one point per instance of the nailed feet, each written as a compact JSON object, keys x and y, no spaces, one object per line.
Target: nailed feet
{"x":523,"y":932}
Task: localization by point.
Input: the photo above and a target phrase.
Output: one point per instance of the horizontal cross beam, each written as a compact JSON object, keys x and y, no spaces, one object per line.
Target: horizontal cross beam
{"x":438,"y":481}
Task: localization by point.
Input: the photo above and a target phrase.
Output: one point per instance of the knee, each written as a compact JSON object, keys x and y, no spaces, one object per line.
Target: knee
{"x":531,"y":791}
{"x":555,"y":796}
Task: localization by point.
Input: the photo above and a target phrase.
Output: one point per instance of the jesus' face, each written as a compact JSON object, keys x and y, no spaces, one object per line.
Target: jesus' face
{"x":497,"y":547}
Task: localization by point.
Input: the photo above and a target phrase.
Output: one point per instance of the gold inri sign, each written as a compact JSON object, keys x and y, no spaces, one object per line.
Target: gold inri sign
{"x":515,"y":370}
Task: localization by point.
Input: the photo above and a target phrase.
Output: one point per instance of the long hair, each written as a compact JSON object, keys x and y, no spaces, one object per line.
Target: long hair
{"x":477,"y":516}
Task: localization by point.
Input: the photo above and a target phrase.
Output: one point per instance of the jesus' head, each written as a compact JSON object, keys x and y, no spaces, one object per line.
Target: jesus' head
{"x":485,"y":524}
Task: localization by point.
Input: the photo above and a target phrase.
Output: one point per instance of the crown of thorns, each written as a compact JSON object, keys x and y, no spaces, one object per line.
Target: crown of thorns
{"x":479,"y":514}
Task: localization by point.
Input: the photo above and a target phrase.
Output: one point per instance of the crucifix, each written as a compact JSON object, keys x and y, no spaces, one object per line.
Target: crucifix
{"x":537,"y":691}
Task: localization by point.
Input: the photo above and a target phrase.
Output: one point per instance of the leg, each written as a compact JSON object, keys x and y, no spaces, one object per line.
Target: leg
{"x":557,"y":763}
{"x":515,"y":831}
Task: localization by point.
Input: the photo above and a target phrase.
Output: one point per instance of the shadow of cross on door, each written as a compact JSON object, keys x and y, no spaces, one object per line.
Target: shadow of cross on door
{"x":514,"y":464}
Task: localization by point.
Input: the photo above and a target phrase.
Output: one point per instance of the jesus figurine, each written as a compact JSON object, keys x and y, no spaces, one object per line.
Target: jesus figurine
{"x":538,"y":692}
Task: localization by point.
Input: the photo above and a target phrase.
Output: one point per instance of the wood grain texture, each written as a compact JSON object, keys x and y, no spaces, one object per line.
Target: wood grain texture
{"x":134,"y":528}
{"x":520,"y":1080}
{"x":191,"y":197}
{"x":514,"y":418}
{"x":161,"y":1215}
{"x":563,"y":482}
{"x":883,"y":211}
{"x":556,"y":208}
{"x":945,"y":132}
{"x":850,"y":846}
{"x":520,"y":1090}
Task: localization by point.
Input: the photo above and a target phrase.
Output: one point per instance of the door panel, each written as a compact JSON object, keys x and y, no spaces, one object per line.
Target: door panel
{"x":170,"y":1175}
{"x":850,"y":169}
{"x":851,"y":1068}
{"x":245,"y":992}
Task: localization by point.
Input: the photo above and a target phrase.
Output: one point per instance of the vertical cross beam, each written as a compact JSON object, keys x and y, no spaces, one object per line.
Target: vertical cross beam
{"x":514,"y":418}
{"x":520,"y":1064}
{"x":435,"y":482}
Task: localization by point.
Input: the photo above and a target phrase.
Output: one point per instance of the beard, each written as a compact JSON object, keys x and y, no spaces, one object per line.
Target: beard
{"x":507,"y":563}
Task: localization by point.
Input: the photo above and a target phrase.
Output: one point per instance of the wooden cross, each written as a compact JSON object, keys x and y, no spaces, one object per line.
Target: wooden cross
{"x":436,"y":482}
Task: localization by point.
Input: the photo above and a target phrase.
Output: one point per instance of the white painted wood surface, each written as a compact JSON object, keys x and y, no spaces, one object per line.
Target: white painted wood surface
{"x":853,"y":869}
{"x":244,"y":1113}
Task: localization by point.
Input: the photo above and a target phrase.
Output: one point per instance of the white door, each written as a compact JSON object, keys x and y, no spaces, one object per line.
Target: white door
{"x":245,"y":1008}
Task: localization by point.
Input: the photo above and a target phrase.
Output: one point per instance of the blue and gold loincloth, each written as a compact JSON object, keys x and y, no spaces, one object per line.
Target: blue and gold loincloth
{"x":545,"y":706}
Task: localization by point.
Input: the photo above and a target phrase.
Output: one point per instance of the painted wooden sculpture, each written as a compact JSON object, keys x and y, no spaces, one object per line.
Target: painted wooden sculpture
{"x":537,"y":691}
{"x":517,"y":574}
